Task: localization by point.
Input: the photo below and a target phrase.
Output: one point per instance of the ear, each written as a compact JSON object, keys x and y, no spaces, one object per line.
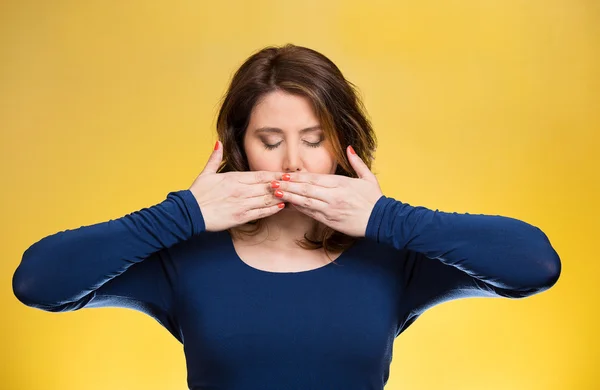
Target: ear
{"x":359,"y":166}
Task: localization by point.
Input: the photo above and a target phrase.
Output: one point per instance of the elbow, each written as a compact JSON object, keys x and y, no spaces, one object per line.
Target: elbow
{"x":551,"y":265}
{"x":27,"y":292}
{"x":550,"y":271}
{"x":540,"y":281}
{"x":22,"y":288}
{"x":24,"y":285}
{"x":32,"y":286}
{"x":546,"y":267}
{"x":27,"y":283}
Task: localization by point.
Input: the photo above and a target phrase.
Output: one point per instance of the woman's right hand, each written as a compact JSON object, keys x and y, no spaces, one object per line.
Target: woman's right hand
{"x":233,"y":198}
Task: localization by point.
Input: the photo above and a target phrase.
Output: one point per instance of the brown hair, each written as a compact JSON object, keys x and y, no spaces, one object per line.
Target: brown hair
{"x":305,"y":72}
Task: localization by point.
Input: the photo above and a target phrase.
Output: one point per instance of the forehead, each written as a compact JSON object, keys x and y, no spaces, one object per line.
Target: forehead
{"x":284,"y":110}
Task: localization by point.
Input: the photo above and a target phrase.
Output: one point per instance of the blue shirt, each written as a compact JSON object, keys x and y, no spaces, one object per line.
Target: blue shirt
{"x":243,"y":328}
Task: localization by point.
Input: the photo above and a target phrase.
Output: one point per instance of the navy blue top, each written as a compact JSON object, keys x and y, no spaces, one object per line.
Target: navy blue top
{"x":332,"y":327}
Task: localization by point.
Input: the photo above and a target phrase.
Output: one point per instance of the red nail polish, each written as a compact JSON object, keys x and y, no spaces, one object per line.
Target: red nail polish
{"x":279,"y":193}
{"x":216,"y":145}
{"x":352,"y":150}
{"x":275,"y":184}
{"x":286,"y":177}
{"x":281,"y":205}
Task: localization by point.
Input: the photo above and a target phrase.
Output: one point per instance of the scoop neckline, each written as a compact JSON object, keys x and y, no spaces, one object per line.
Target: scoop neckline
{"x":238,"y":259}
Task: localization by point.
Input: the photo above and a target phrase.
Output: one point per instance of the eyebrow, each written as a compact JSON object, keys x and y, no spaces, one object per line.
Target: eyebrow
{"x":277,"y":130}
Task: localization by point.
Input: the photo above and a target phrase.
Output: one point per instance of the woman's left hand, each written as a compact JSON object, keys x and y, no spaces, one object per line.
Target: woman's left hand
{"x":340,"y":202}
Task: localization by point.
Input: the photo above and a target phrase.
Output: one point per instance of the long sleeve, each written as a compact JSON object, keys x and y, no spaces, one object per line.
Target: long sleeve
{"x":451,"y":255}
{"x":86,"y":267}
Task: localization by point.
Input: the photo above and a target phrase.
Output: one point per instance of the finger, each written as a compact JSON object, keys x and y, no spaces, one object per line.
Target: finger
{"x":263,"y":212}
{"x":261,"y":201}
{"x":311,"y":203}
{"x":306,"y":211}
{"x":252,"y":190}
{"x":359,"y":166}
{"x":257,"y":177}
{"x":318,"y":179}
{"x":305,"y":189}
{"x":214,"y":160}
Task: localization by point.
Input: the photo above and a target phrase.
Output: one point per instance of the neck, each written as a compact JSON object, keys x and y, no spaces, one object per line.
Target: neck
{"x":282,"y":229}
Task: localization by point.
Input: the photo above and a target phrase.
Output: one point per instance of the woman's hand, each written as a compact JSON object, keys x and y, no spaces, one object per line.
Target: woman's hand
{"x":340,"y":202}
{"x":233,"y":198}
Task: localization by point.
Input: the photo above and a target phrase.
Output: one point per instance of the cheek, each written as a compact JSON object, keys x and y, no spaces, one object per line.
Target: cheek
{"x":260,"y":161}
{"x":320,"y":161}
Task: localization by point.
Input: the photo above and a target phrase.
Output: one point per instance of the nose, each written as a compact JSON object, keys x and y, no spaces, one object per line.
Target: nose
{"x":292,"y":161}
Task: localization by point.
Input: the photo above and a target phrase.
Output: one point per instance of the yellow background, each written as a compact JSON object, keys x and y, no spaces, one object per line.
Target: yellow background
{"x":479,"y":106}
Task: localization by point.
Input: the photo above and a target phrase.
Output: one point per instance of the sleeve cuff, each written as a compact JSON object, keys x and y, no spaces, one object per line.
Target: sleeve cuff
{"x":193,"y":210}
{"x":376,"y":217}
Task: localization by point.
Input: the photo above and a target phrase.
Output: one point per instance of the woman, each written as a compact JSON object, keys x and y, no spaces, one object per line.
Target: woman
{"x":284,"y":266}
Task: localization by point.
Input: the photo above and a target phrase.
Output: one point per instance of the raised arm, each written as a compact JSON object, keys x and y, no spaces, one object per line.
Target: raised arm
{"x":451,"y":255}
{"x":126,"y":262}
{"x":79,"y":267}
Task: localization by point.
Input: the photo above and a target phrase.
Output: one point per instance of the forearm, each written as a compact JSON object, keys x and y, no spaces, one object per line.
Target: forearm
{"x":66,"y":266}
{"x":501,"y":251}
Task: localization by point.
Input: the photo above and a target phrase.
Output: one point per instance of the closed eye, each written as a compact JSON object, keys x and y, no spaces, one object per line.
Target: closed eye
{"x":309,"y":144}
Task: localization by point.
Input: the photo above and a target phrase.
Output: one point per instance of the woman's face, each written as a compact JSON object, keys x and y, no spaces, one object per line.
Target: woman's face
{"x":284,"y":135}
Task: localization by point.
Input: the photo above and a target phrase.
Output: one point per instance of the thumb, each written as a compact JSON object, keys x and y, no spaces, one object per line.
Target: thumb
{"x":358,"y":164}
{"x":214,"y":160}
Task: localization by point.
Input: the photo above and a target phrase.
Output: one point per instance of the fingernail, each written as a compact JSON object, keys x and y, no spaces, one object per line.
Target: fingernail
{"x":281,"y":205}
{"x":275,"y":184}
{"x":286,"y":177}
{"x":352,"y":150}
{"x":279,"y":193}
{"x":216,"y":145}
